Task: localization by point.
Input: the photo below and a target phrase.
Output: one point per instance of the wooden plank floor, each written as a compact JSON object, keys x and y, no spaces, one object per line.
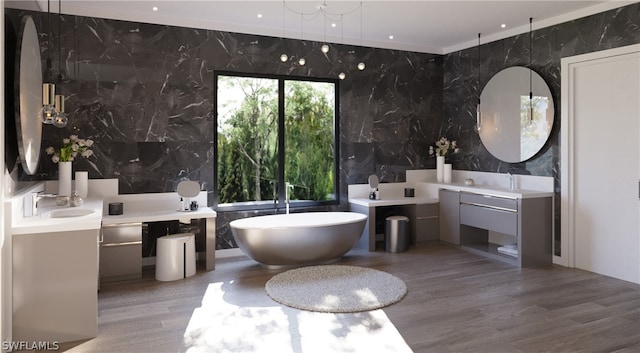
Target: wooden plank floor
{"x":457,"y":302}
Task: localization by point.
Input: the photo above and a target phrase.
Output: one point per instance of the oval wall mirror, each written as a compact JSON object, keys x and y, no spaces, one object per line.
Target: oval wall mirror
{"x":11,"y":153}
{"x":28,"y":102}
{"x":512,"y":126}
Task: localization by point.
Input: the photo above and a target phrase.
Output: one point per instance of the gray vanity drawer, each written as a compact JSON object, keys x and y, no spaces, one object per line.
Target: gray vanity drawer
{"x":427,"y":210}
{"x":489,"y":218}
{"x":488,"y":200}
{"x":121,"y":252}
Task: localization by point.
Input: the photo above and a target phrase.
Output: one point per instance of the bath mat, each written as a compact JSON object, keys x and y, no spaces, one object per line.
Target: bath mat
{"x":336,"y":288}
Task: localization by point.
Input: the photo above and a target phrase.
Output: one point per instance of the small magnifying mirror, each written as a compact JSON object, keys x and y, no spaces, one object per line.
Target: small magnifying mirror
{"x":188,"y":189}
{"x":373,"y":181}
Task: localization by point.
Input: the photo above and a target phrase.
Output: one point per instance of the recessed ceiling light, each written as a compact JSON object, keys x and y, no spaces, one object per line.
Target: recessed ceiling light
{"x":259,"y":15}
{"x":503,"y":26}
{"x":155,"y":8}
{"x":391,"y":36}
{"x":333,"y":25}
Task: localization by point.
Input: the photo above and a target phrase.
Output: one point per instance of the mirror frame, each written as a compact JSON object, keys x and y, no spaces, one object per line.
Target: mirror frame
{"x":28,"y":103}
{"x":11,"y":154}
{"x":501,"y":125}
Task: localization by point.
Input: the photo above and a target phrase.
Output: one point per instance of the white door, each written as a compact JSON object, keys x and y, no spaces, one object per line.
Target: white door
{"x":603,"y":162}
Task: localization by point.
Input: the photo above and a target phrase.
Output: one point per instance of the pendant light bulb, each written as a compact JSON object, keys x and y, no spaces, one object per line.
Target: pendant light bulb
{"x":361,"y":66}
{"x":301,"y":61}
{"x":284,"y":58}
{"x":325,"y":48}
{"x":342,"y":76}
{"x":48,"y":109}
{"x":60,"y":119}
{"x":48,"y":113}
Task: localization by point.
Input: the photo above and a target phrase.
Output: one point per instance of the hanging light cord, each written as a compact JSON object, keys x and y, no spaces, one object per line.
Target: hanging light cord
{"x":59,"y":41}
{"x":360,"y":23}
{"x":478,"y":114}
{"x":478,"y":69}
{"x":530,"y":69}
{"x":283,"y":5}
{"x":48,"y":39}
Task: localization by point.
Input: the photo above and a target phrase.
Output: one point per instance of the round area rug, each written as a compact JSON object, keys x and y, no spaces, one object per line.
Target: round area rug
{"x":336,"y":288}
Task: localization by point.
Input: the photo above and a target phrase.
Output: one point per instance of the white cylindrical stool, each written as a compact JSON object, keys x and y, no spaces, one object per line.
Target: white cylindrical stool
{"x":175,"y":257}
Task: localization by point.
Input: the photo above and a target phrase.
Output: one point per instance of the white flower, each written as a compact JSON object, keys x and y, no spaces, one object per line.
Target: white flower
{"x":443,"y":146}
{"x":71,"y":148}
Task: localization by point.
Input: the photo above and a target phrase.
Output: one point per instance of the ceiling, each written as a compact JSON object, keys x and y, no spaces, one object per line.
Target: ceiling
{"x":437,"y":27}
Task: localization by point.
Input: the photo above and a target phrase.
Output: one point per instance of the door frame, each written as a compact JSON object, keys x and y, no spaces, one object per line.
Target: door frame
{"x":567,"y":138}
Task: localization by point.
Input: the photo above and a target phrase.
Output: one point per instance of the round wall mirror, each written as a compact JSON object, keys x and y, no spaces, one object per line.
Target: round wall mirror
{"x":28,"y":102}
{"x":512,"y":126}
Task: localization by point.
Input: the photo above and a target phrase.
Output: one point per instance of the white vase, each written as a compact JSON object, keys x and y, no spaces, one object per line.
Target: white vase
{"x":448,"y":173}
{"x":64,"y":178}
{"x":82,"y":184}
{"x":440,"y":168}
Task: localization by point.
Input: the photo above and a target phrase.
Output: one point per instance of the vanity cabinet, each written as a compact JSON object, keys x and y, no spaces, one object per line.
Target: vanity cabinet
{"x":54,"y":286}
{"x":426,"y":224}
{"x":121,"y":251}
{"x":525,"y":222}
{"x":449,"y":213}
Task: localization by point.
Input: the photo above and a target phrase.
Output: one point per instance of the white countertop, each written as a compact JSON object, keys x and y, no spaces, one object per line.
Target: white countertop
{"x":141,"y":215}
{"x":492,"y":190}
{"x":137,"y":208}
{"x":393,"y":201}
{"x":44,"y":223}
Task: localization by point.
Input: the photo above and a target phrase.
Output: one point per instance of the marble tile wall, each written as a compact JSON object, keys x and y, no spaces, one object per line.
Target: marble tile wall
{"x":602,"y":31}
{"x":143,"y":92}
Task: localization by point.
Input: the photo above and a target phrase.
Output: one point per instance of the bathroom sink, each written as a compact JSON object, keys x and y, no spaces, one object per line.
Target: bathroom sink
{"x":71,"y":212}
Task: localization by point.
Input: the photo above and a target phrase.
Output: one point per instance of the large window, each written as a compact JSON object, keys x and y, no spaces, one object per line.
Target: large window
{"x":273,"y":132}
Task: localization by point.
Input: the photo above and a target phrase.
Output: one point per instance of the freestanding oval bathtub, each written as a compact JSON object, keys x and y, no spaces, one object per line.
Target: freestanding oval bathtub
{"x":298,"y":239}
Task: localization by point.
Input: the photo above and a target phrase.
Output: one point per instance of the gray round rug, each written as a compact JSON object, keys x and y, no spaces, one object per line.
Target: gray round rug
{"x":336,"y":288}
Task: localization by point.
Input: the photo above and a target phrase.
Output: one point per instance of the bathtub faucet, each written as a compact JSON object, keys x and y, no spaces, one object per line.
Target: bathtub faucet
{"x":287,"y":196}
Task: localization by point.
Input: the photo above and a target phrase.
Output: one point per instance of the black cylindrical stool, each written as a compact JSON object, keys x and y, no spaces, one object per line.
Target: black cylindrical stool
{"x":396,"y":234}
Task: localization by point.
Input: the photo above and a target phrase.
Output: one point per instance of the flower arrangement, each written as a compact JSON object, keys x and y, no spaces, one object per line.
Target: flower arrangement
{"x":71,"y":147}
{"x":444,"y":146}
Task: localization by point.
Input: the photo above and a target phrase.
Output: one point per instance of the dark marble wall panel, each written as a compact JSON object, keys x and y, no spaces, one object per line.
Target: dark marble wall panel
{"x":144,"y":94}
{"x":611,"y":29}
{"x":602,"y":31}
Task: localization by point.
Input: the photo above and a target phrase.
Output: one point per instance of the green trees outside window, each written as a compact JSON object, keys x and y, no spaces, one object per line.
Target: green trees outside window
{"x":272,"y":131}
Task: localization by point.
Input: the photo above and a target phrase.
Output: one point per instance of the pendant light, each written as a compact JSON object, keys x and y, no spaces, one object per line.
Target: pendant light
{"x":341,"y":75}
{"x":283,"y":57}
{"x":361,"y":64}
{"x":478,"y":113}
{"x":48,"y":89}
{"x":60,"y":120}
{"x":301,"y":60}
{"x":325,"y":46}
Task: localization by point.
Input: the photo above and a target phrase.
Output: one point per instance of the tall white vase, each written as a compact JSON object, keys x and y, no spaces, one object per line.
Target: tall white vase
{"x":64,"y":178}
{"x":82,"y":184}
{"x":448,"y":173}
{"x":440,"y":168}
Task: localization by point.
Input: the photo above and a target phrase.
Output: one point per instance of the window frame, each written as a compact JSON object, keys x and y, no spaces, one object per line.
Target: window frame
{"x":280,"y":204}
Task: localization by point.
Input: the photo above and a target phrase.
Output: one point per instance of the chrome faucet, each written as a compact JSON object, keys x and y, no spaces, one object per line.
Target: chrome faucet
{"x":287,"y":196}
{"x":512,"y":184}
{"x":32,"y":208}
